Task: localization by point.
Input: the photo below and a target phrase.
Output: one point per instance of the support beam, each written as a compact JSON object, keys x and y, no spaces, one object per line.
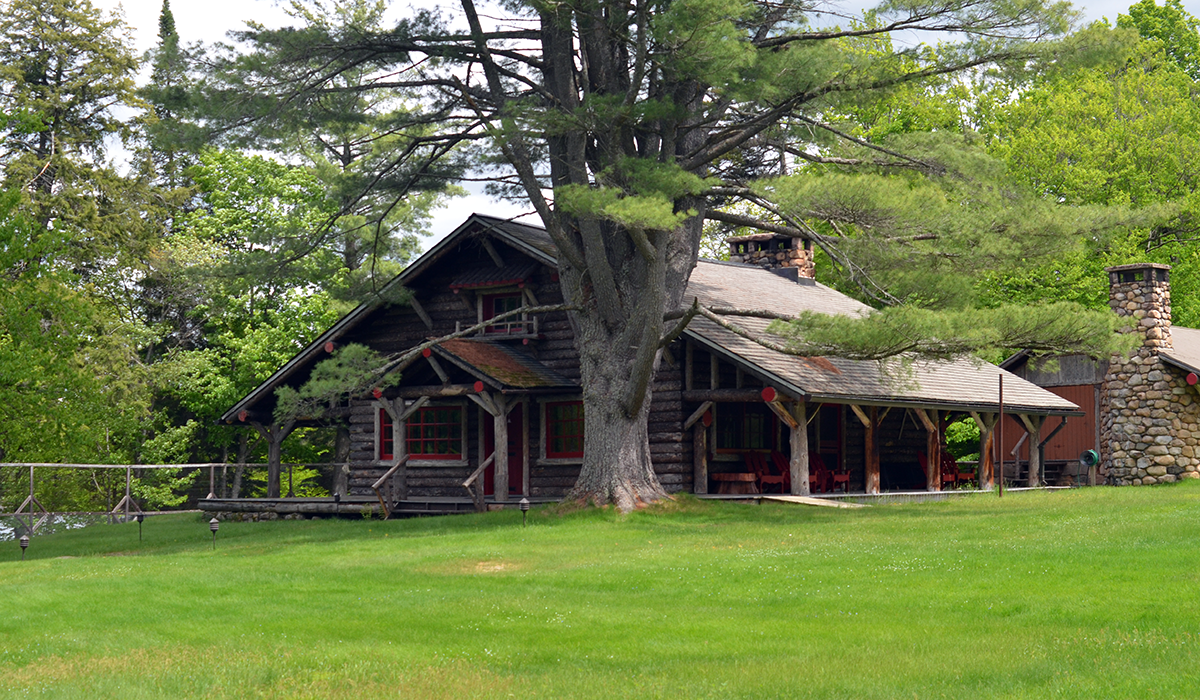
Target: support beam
{"x":798,"y":464}
{"x":500,"y":449}
{"x":933,"y":448}
{"x":733,"y":395}
{"x":491,"y":251}
{"x":714,"y":373}
{"x":700,"y":451}
{"x":871,"y":424}
{"x":689,"y":366}
{"x":985,"y":472}
{"x":416,"y":305}
{"x":437,"y":367}
{"x":1033,"y":424}
{"x":274,"y":434}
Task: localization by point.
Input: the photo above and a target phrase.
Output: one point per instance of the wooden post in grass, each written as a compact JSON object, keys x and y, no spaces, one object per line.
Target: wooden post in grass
{"x":983,"y":473}
{"x":933,"y":448}
{"x":871,"y":423}
{"x":1034,"y":425}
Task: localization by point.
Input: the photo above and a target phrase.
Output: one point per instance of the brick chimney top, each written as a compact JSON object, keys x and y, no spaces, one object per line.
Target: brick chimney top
{"x":1141,"y":295}
{"x":773,"y":251}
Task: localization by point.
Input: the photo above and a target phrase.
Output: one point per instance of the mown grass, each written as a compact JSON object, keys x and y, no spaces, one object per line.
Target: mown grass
{"x":1082,"y":594}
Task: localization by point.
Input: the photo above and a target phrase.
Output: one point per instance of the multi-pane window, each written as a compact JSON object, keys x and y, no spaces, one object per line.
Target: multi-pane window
{"x":435,"y":432}
{"x":745,"y":426}
{"x":496,"y":304}
{"x":564,"y":429}
{"x":387,"y":439}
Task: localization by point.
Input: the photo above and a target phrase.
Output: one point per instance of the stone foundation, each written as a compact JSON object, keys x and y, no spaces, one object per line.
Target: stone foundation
{"x":1150,"y":416}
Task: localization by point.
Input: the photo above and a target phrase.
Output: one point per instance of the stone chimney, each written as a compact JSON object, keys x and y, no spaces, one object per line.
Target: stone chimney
{"x":1141,"y":295}
{"x":1149,"y":413}
{"x":787,"y":256}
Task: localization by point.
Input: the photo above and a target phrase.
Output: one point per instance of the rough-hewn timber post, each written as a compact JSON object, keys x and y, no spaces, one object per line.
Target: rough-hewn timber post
{"x":274,"y":435}
{"x":870,"y":425}
{"x":984,"y":473}
{"x":1034,"y":425}
{"x":933,"y":448}
{"x":500,"y":431}
{"x":798,"y":465}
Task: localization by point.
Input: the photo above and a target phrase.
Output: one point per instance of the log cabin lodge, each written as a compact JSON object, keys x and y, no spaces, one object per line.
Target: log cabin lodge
{"x":729,"y":416}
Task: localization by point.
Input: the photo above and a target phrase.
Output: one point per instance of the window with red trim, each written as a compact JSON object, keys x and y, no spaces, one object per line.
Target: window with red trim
{"x":435,"y":432}
{"x":387,"y":439}
{"x":564,"y":429}
{"x":496,"y":304}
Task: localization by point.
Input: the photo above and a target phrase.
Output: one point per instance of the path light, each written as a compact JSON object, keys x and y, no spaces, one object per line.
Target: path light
{"x":140,"y":517}
{"x":524,"y":510}
{"x":214,"y":525}
{"x":24,"y":545}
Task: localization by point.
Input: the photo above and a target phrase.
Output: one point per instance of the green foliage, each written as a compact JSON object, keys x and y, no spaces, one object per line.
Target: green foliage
{"x":1171,"y":27}
{"x":962,"y":439}
{"x":350,"y":371}
{"x":1052,"y":328}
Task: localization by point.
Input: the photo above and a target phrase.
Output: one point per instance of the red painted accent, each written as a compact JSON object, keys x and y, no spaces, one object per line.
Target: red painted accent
{"x":242,"y":415}
{"x":330,"y":346}
{"x":426,"y":352}
{"x":478,"y":387}
{"x":554,"y":277}
{"x":707,"y":419}
{"x":524,"y":341}
{"x":1192,"y":378}
{"x":768,"y":394}
{"x":377,"y":392}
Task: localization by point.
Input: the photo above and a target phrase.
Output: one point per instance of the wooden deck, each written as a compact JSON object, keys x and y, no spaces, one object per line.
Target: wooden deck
{"x":355,"y":506}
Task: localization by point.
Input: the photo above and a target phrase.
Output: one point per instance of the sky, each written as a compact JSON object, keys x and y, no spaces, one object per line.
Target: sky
{"x":209,"y":20}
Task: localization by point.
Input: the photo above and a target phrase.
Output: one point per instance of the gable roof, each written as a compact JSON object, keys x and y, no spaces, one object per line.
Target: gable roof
{"x":529,"y":239}
{"x":502,"y":365}
{"x":961,"y":384}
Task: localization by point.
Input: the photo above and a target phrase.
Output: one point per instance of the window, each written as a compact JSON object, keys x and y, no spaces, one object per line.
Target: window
{"x":435,"y":433}
{"x":564,"y":430}
{"x":387,"y":439}
{"x":745,"y":426}
{"x":496,"y":304}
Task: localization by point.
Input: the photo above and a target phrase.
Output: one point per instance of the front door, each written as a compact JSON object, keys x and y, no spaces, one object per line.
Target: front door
{"x":516,"y":452}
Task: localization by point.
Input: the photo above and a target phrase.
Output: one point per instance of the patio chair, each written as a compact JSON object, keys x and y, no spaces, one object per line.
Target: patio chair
{"x":757,"y":464}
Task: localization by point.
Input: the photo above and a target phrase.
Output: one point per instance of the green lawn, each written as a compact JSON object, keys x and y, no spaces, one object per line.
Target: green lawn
{"x":1082,"y":594}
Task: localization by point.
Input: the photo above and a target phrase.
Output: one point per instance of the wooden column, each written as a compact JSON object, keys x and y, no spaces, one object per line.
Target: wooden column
{"x":871,"y":424}
{"x":799,"y":461}
{"x":933,"y":448}
{"x":699,"y":421}
{"x":500,"y":441}
{"x":986,"y":423}
{"x":1033,"y":424}
{"x":274,"y":434}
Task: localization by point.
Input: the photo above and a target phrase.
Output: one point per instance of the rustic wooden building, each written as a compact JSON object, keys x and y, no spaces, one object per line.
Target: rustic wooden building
{"x":728,"y":414}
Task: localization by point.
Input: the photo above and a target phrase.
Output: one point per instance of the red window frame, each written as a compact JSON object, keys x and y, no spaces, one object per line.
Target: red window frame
{"x":387,"y":437}
{"x":514,"y":324}
{"x":435,"y":432}
{"x":564,"y":430}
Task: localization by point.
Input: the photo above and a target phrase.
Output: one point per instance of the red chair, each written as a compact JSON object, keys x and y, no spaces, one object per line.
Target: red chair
{"x":819,"y":476}
{"x":841,"y":476}
{"x":757,"y":464}
{"x":783,"y":467}
{"x":950,"y":473}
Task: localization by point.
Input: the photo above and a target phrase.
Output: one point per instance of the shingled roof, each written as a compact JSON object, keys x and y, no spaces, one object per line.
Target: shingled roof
{"x":962,"y":384}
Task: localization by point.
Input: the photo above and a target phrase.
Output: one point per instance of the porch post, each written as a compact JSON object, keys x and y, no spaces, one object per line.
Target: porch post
{"x":933,"y":448}
{"x":1034,"y":425}
{"x":274,"y":435}
{"x":799,"y":459}
{"x":986,"y":423}
{"x":870,"y":425}
{"x":500,"y":431}
{"x":698,"y":423}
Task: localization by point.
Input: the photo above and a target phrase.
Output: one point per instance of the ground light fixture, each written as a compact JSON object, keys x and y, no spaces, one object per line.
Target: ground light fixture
{"x":524,"y":510}
{"x":24,"y":545}
{"x":214,"y":525}
{"x":140,"y":518}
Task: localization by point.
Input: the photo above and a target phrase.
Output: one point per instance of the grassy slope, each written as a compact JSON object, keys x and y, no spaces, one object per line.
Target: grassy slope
{"x":1082,"y":594}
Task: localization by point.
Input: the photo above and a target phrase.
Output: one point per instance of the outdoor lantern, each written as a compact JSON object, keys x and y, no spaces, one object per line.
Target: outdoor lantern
{"x":214,"y":525}
{"x":24,"y":545}
{"x":524,"y":510}
{"x":140,"y":517}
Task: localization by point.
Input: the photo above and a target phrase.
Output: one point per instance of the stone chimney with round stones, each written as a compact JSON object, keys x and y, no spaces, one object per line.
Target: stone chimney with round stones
{"x":784,"y":255}
{"x":1149,"y":415}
